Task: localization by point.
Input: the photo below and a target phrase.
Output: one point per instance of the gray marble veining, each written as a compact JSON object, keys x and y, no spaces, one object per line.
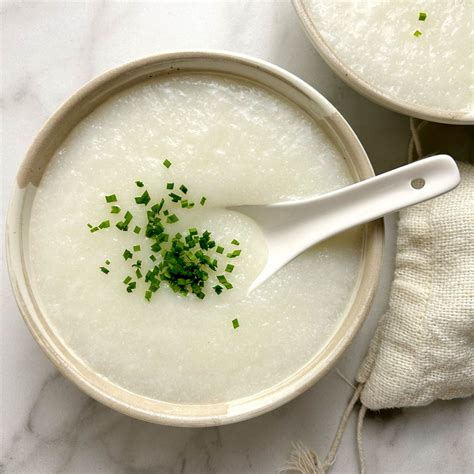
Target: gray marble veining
{"x":49,"y":49}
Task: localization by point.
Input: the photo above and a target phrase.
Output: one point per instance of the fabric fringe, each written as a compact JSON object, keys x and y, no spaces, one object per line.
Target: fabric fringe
{"x":305,"y":461}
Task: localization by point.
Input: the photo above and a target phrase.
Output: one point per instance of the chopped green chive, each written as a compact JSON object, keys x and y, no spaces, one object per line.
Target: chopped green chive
{"x":422,"y":16}
{"x":167,"y":163}
{"x":172,"y":219}
{"x":174,"y":197}
{"x":143,"y":199}
{"x":417,"y":33}
{"x":111,"y":198}
{"x":104,"y":224}
{"x":235,"y":323}
{"x":223,"y":281}
{"x":234,"y":253}
{"x":184,"y":262}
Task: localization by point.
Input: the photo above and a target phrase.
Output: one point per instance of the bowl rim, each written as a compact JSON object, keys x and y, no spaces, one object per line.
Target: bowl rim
{"x":363,"y":87}
{"x":224,"y":412}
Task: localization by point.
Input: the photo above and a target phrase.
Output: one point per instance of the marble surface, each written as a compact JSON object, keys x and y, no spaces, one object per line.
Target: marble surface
{"x":49,"y":49}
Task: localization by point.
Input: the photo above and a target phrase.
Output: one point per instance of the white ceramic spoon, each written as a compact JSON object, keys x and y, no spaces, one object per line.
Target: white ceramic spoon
{"x":292,"y":227}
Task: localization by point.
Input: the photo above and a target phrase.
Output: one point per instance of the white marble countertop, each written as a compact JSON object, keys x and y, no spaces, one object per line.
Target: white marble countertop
{"x":49,"y":49}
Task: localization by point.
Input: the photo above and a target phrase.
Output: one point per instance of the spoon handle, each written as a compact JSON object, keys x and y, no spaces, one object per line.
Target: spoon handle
{"x":396,"y":189}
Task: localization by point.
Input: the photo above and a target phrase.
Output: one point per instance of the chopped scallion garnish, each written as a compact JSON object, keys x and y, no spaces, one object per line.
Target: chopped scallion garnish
{"x":143,"y":199}
{"x":104,"y":270}
{"x":137,"y":229}
{"x":203,"y":201}
{"x":114,"y":210}
{"x":169,"y":185}
{"x":111,"y":198}
{"x":234,"y":253}
{"x":235,"y":323}
{"x":127,"y":254}
{"x":104,"y":224}
{"x":422,"y":16}
{"x":172,"y":219}
{"x":167,"y":163}
{"x":229,"y":268}
{"x":136,"y":248}
{"x":220,"y":249}
{"x":183,"y":189}
{"x":417,"y":33}
{"x":139,"y":184}
{"x":235,"y":242}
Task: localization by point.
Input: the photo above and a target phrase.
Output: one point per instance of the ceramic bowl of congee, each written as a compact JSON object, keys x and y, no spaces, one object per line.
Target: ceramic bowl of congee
{"x":133,"y":275}
{"x":415,"y":57}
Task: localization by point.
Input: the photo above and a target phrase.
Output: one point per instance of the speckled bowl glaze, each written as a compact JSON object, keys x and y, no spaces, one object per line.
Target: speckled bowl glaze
{"x":29,"y":176}
{"x":365,"y":88}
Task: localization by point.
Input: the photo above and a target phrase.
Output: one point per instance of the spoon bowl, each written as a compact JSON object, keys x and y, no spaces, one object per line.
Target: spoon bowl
{"x":292,"y":227}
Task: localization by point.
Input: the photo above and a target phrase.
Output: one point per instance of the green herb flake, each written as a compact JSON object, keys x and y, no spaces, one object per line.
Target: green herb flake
{"x":143,"y":199}
{"x":127,"y":254}
{"x":104,"y":224}
{"x":114,"y":210}
{"x":137,"y":229}
{"x":218,"y":289}
{"x":107,"y":262}
{"x":183,"y":189}
{"x":172,"y":219}
{"x":223,"y":281}
{"x":111,"y":198}
{"x":167,"y":163}
{"x":234,"y":253}
{"x":220,"y":249}
{"x":422,"y":16}
{"x":148,"y":295}
{"x":152,"y":258}
{"x":235,"y":242}
{"x":203,"y":201}
{"x":131,"y":286}
{"x":138,"y":273}
{"x":235,"y":323}
{"x":104,"y":270}
{"x":139,"y":184}
{"x":229,"y":268}
{"x":127,"y":280}
{"x":136,"y":248}
{"x":169,"y":185}
{"x":174,"y":197}
{"x":94,"y":229}
{"x":417,"y":33}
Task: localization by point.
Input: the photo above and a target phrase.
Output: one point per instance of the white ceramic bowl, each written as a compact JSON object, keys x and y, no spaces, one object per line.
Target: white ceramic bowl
{"x":365,"y":88}
{"x":29,"y":176}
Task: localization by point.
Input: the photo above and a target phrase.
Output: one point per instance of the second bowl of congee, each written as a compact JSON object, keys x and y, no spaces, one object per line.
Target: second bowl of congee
{"x":139,"y":273}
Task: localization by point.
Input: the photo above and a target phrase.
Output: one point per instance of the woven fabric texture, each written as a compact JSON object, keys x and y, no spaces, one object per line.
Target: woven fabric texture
{"x":423,"y":348}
